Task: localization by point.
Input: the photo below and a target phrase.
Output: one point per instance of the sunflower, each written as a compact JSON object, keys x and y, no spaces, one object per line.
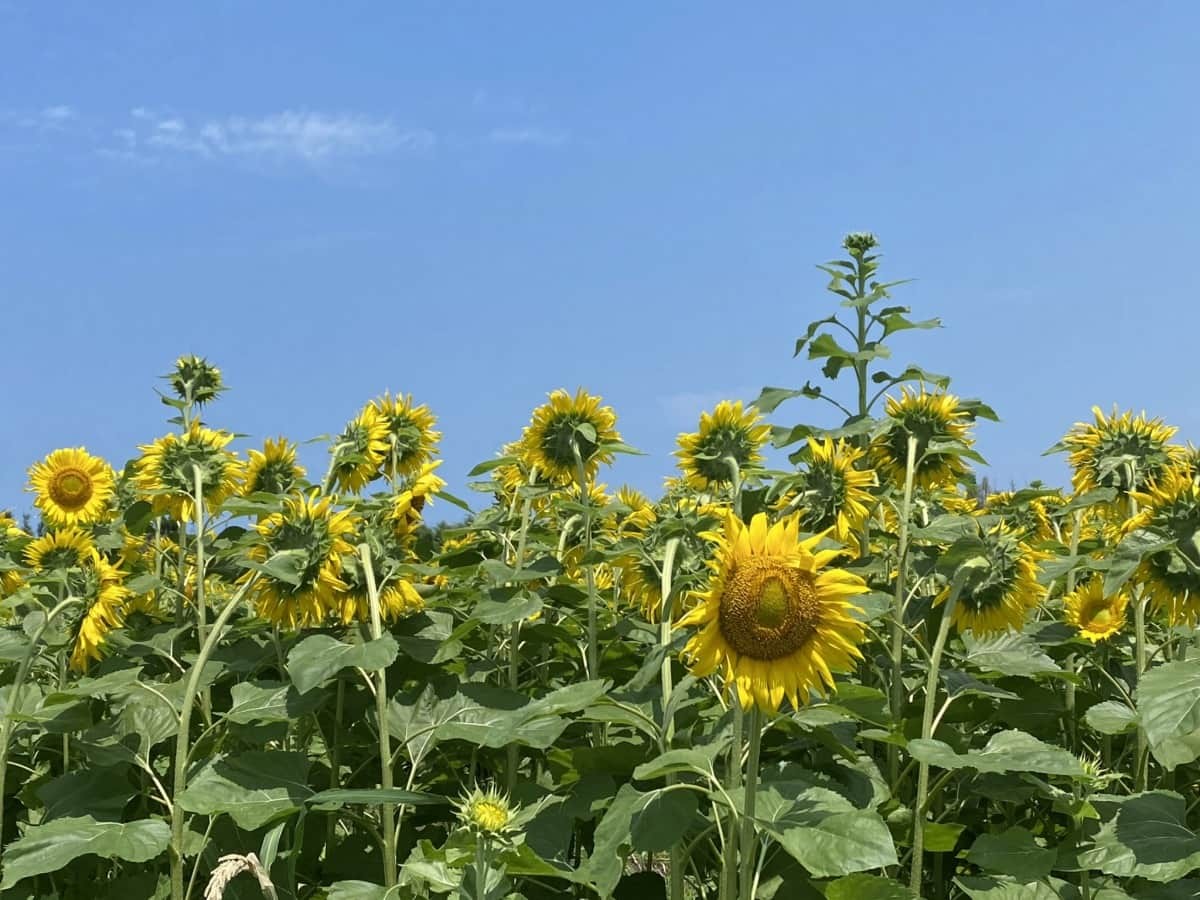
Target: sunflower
{"x":836,"y":493}
{"x":397,"y":596}
{"x":11,"y":581}
{"x":411,"y":438}
{"x":66,"y":548}
{"x":166,"y":471}
{"x":935,"y":420}
{"x":72,"y":486}
{"x":314,"y":539}
{"x":408,"y":505}
{"x":360,"y":451}
{"x":999,"y":595}
{"x":107,"y":600}
{"x":569,"y":432}
{"x":775,"y":619}
{"x":196,"y":380}
{"x":727,"y":433}
{"x":1095,"y":616}
{"x":1171,"y":577}
{"x":274,"y":469}
{"x":1028,"y":516}
{"x":1121,"y":451}
{"x":637,"y":513}
{"x":487,"y":813}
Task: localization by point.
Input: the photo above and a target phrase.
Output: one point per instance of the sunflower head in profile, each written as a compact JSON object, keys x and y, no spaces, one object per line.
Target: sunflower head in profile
{"x":777,"y":620}
{"x":938,"y":423}
{"x":273,"y":470}
{"x":195,"y":380}
{"x":1121,"y":451}
{"x":359,"y":451}
{"x":569,"y":436}
{"x":65,"y":548}
{"x":727,"y":436}
{"x":1170,"y":578}
{"x":630,"y":513}
{"x":408,"y":506}
{"x":410,"y":435}
{"x":72,"y":487}
{"x":998,"y":595}
{"x":1095,"y":616}
{"x":165,"y":472}
{"x":397,"y":595}
{"x":107,"y":601}
{"x":837,"y":492}
{"x":309,"y":538}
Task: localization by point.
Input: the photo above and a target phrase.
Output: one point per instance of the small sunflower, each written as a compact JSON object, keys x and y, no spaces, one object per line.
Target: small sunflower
{"x":196,"y":380}
{"x":1171,"y":577}
{"x":999,"y":595}
{"x":775,"y":619}
{"x":411,"y":438}
{"x":1095,"y":616}
{"x":397,"y":596}
{"x":567,"y":432}
{"x":487,"y":813}
{"x":1121,"y":451}
{"x":836,"y":492}
{"x":315,"y":538}
{"x":107,"y":601}
{"x":166,"y":471}
{"x":638,"y":513}
{"x":1028,"y":516}
{"x":274,"y":469}
{"x":408,"y":505}
{"x":360,"y":451}
{"x":933,"y":419}
{"x":66,"y":548}
{"x":72,"y":486}
{"x":727,"y":433}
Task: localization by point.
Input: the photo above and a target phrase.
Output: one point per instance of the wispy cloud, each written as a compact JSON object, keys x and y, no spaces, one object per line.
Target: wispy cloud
{"x":541,"y":137}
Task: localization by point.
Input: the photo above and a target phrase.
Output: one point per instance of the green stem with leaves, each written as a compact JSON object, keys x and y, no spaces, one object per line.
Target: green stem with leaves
{"x":678,"y":859}
{"x":729,"y":873}
{"x":748,"y":844}
{"x":514,"y":635}
{"x":898,"y":603}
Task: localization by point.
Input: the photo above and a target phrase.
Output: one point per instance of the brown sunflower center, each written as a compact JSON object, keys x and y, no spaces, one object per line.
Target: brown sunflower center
{"x":71,"y":487}
{"x":768,"y":610}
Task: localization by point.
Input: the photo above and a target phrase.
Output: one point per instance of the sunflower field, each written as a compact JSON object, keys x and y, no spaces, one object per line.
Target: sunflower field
{"x":851,"y":673}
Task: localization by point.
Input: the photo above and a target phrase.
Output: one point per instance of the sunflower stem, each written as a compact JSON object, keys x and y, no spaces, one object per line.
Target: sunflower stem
{"x":678,"y":859}
{"x":388,"y":812}
{"x":593,"y":646}
{"x":729,"y":871}
{"x":1072,"y":721}
{"x":13,"y":707}
{"x":735,"y":473}
{"x":201,"y":606}
{"x":749,"y":839}
{"x":514,"y":637}
{"x":1141,"y":763}
{"x":335,"y":753}
{"x":897,"y":624}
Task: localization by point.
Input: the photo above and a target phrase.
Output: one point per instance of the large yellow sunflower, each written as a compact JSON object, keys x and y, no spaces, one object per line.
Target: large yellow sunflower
{"x":66,"y":548}
{"x":274,"y":469}
{"x":72,"y":486}
{"x":1095,"y":616}
{"x":999,"y":595}
{"x":107,"y":600}
{"x":312,"y":538}
{"x":360,"y":451}
{"x":166,"y":471}
{"x":727,"y":433}
{"x":1121,"y":451}
{"x":775,"y":620}
{"x":567,"y":432}
{"x":1171,"y":577}
{"x":411,"y":438}
{"x":933,"y":419}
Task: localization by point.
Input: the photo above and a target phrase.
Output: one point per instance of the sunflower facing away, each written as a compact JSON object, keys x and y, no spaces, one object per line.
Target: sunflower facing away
{"x":411,"y":438}
{"x":166,"y":471}
{"x":727,"y":433}
{"x":1029,"y":517}
{"x":72,"y":486}
{"x":1171,"y":577}
{"x":775,"y":619}
{"x":196,"y":380}
{"x":107,"y":600}
{"x":274,"y":469}
{"x":569,"y":431}
{"x":1120,"y":451}
{"x":397,"y":596}
{"x":408,"y":505}
{"x":315,"y":539}
{"x":836,"y":494}
{"x":66,"y":548}
{"x":931,"y":419}
{"x":360,"y":451}
{"x":1095,"y":616}
{"x":999,"y":595}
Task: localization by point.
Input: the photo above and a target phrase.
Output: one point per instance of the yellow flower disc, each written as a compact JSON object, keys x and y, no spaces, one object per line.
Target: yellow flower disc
{"x":1095,"y":616}
{"x":72,"y":486}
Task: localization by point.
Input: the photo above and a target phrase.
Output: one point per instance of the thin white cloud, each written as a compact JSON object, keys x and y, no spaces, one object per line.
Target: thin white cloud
{"x":58,"y":114}
{"x":541,"y":137}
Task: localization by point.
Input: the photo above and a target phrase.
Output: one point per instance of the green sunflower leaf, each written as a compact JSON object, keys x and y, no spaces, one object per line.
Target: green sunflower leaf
{"x":1168,"y":706}
{"x":252,"y":787}
{"x":320,"y":657}
{"x":1012,"y":852}
{"x":1008,"y":751}
{"x":49,"y":847}
{"x":1148,"y":837}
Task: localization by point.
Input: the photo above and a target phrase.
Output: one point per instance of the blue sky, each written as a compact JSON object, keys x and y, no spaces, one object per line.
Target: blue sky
{"x":478,"y":203}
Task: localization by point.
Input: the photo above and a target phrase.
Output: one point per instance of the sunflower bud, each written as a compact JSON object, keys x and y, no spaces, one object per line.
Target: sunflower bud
{"x":858,"y":243}
{"x":196,"y":380}
{"x":486,"y":812}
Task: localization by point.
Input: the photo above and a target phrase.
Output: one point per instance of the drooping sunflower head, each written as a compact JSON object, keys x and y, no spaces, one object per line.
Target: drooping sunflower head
{"x":776,"y":619}
{"x":310,"y":539}
{"x":568,"y":434}
{"x":1120,"y":451}
{"x":1095,"y":616}
{"x":360,"y":451}
{"x":72,"y":486}
{"x":998,"y":595}
{"x":728,"y":435}
{"x":938,"y":424}
{"x":1171,"y":577}
{"x":65,"y":548}
{"x":195,"y":380}
{"x":397,"y":595}
{"x":166,"y":471}
{"x":836,"y":491}
{"x":408,"y":505}
{"x":274,"y":469}
{"x":107,"y":601}
{"x":410,"y":435}
{"x":488,"y":813}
